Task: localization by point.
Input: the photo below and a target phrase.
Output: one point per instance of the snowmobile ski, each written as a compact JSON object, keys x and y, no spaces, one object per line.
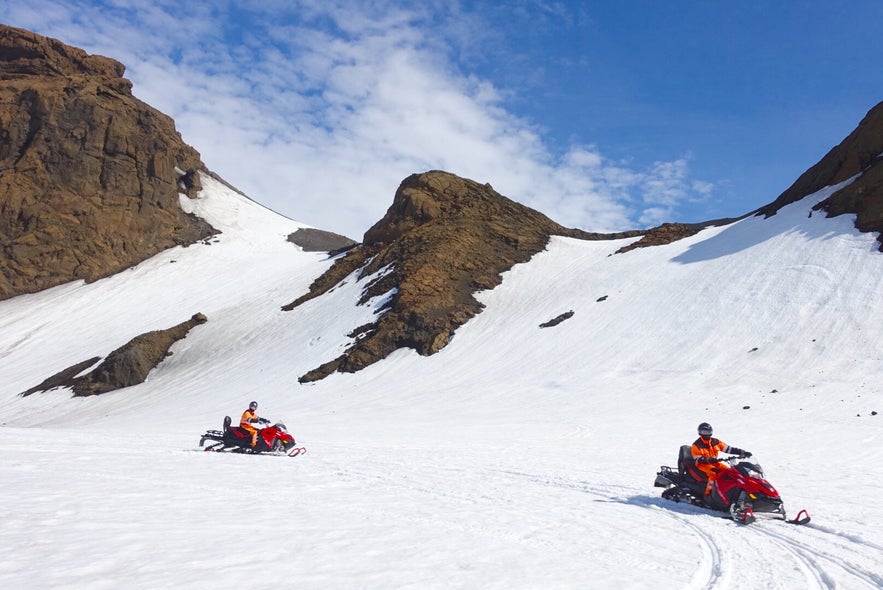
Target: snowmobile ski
{"x":801,"y":518}
{"x":747,"y":516}
{"x":297,"y":451}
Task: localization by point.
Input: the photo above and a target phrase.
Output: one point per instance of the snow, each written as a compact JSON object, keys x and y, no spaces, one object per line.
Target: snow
{"x":517,"y":457}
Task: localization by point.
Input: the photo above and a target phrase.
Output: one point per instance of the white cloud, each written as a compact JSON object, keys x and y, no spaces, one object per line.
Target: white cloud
{"x":319,"y":110}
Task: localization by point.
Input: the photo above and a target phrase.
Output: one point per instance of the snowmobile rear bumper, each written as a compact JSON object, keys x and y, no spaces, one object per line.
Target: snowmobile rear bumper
{"x":666,"y":477}
{"x":215,"y":435}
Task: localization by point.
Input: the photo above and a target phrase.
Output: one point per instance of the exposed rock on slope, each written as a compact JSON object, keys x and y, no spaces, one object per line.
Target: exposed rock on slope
{"x":126,"y":366}
{"x":89,"y":175}
{"x":664,"y":234}
{"x":443,"y":239}
{"x":859,"y":153}
{"x":317,"y":240}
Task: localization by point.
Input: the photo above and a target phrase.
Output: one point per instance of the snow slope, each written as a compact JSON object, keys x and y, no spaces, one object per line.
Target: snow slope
{"x":517,"y":457}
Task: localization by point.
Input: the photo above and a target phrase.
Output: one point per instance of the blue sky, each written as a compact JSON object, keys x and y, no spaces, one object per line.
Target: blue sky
{"x":603,"y":115}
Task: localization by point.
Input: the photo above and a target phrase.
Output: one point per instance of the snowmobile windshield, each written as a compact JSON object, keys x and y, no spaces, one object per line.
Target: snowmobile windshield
{"x":751,"y":468}
{"x":280,"y":426}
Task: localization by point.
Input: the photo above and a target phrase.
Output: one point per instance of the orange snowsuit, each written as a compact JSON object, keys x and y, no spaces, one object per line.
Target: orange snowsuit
{"x":249,"y":416}
{"x":709,"y":448}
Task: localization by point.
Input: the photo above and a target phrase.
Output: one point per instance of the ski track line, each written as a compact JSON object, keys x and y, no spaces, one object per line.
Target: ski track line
{"x":814,"y":574}
{"x":396,"y":478}
{"x":435,"y":484}
{"x":848,"y":537}
{"x":807,"y":565}
{"x":13,"y":346}
{"x":568,"y":484}
{"x":399,"y":478}
{"x":811,"y":554}
{"x":710,"y":573}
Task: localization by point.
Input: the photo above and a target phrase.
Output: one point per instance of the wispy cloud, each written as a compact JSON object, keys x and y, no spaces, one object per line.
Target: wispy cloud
{"x":319,"y":109}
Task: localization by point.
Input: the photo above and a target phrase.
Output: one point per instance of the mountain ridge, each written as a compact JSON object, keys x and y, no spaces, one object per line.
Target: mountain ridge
{"x":858,"y":155}
{"x":108,"y":199}
{"x":90,"y":176}
{"x":442,"y":239}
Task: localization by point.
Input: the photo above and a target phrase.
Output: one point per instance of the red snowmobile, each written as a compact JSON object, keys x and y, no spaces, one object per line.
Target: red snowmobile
{"x":272,"y":439}
{"x":740,"y":488}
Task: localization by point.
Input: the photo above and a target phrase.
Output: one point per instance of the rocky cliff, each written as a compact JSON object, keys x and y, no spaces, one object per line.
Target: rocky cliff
{"x":860,"y":153}
{"x":443,"y":239}
{"x":89,"y":175}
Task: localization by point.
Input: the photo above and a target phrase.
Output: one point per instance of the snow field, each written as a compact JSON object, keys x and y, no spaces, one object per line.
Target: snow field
{"x":517,"y":457}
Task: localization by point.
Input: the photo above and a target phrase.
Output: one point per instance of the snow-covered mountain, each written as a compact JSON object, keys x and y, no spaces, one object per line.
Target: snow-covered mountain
{"x":516,"y":456}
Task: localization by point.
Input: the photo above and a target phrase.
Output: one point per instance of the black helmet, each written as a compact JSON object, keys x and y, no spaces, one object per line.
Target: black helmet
{"x":705,"y":429}
{"x":253,"y":406}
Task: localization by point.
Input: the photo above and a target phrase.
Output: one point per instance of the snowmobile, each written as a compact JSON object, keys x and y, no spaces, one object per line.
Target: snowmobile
{"x":272,"y":439}
{"x":740,"y":488}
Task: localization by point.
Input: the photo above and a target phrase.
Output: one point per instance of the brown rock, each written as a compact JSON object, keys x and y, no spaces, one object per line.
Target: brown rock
{"x":317,"y":240}
{"x":859,"y":153}
{"x":443,"y":239}
{"x":664,"y":234}
{"x":126,"y":366}
{"x":89,"y":175}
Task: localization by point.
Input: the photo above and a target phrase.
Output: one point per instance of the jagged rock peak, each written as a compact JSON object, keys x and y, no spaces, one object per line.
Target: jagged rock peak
{"x":859,"y":154}
{"x":23,"y":53}
{"x":443,"y":239}
{"x":438,"y":195}
{"x":90,"y":176}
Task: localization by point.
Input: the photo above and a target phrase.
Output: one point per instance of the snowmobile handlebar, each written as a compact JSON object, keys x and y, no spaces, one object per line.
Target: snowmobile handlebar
{"x":708,"y":460}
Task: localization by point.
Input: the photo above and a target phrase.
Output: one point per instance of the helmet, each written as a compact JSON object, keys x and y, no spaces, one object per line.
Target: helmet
{"x":253,"y":406}
{"x":705,"y":429}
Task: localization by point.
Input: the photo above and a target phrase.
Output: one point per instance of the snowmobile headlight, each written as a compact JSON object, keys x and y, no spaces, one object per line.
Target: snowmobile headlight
{"x":752,"y":496}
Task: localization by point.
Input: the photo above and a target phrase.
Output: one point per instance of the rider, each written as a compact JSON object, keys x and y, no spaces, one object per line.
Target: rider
{"x":705,"y":451}
{"x":249,"y":417}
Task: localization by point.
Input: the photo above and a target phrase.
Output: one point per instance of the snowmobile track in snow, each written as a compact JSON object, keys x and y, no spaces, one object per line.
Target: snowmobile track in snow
{"x":811,"y":557}
{"x":814,"y":564}
{"x":710,"y":572}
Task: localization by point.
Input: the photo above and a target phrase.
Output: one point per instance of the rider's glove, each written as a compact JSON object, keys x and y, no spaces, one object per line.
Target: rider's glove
{"x":745,"y":454}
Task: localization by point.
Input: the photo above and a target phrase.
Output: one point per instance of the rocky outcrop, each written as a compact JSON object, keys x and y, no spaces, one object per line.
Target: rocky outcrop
{"x":126,"y":366}
{"x":664,"y":234}
{"x":443,"y":239}
{"x":557,"y":319}
{"x":317,"y":240}
{"x":859,"y":153}
{"x":89,"y":175}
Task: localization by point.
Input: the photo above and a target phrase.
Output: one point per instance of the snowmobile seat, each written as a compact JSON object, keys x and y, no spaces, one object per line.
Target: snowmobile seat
{"x":687,"y":466}
{"x":235,"y":435}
